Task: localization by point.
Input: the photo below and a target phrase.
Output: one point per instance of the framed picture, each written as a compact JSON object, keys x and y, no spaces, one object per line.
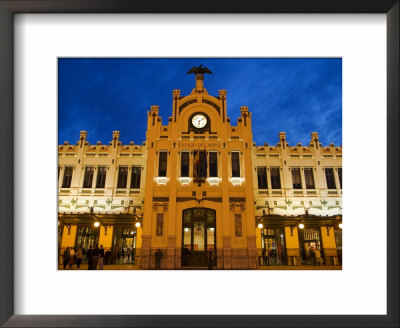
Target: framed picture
{"x":145,"y":297}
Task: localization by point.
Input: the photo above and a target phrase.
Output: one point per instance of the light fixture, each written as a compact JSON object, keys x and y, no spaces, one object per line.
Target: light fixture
{"x":97,"y":224}
{"x":301,"y":226}
{"x":131,"y":232}
{"x":260,"y":226}
{"x":137,"y":224}
{"x":341,"y":225}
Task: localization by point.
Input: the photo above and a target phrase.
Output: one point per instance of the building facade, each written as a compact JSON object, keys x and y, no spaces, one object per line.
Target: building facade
{"x":200,"y":190}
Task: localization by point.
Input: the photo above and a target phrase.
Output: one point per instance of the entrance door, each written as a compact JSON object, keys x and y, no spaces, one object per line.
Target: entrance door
{"x":85,"y":238}
{"x":310,"y":240}
{"x":198,"y":236}
{"x":274,"y":243}
{"x":124,"y":245}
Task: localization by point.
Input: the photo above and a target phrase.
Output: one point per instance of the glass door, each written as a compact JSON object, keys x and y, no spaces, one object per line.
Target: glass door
{"x":198,"y":237}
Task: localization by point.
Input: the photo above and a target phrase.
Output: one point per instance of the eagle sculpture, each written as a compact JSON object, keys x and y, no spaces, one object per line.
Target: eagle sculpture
{"x":199,"y":70}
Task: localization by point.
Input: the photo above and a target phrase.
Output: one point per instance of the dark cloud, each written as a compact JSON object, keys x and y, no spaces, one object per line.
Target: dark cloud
{"x":294,"y":95}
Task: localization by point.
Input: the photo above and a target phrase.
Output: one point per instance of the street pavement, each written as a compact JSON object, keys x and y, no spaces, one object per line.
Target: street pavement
{"x":272,"y":267}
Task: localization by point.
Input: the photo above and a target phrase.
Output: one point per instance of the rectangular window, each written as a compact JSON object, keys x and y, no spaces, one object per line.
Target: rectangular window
{"x":275,"y":178}
{"x":309,"y":177}
{"x":330,"y":179}
{"x":235,"y":165}
{"x":185,"y":164}
{"x":200,"y":164}
{"x":160,"y":224}
{"x":162,"y":164}
{"x":296,"y":178}
{"x":67,"y":177}
{"x":213,"y":164}
{"x":101,"y":176}
{"x":238,"y":225}
{"x":88,"y":179}
{"x":122,"y":177}
{"x":262,"y":177}
{"x":339,"y":171}
{"x":135,"y":178}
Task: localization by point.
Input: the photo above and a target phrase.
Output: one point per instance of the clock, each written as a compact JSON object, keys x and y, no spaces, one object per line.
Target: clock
{"x":199,"y":121}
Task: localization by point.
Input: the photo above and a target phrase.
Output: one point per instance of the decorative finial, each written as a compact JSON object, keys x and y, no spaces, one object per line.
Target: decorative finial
{"x":199,"y":72}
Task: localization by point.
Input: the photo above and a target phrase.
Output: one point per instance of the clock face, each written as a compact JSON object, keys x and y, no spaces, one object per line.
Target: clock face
{"x":199,"y":121}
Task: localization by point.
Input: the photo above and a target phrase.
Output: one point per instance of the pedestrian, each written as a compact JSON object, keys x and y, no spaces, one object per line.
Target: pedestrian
{"x":185,"y":255}
{"x":95,"y":257}
{"x":107,"y":257}
{"x":210,"y":259}
{"x":267,"y":257}
{"x":158,"y":256}
{"x":101,"y":257}
{"x":89,"y":257}
{"x":79,"y":257}
{"x":133,"y":255}
{"x":313,"y":256}
{"x":273,"y":256}
{"x":71,"y":257}
{"x":128,"y":253}
{"x":318,"y":257}
{"x":66,"y":258}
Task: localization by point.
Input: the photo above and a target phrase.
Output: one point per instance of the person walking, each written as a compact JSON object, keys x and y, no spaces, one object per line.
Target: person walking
{"x":318,"y":257}
{"x":210,"y":259}
{"x":78,"y":257}
{"x":313,"y":256}
{"x":273,"y":256}
{"x":66,"y":258}
{"x":101,"y":257}
{"x":71,"y":258}
{"x":158,"y":256}
{"x":89,"y":257}
{"x":267,"y":257}
{"x":128,"y":253}
{"x":95,"y":257}
{"x":107,"y":257}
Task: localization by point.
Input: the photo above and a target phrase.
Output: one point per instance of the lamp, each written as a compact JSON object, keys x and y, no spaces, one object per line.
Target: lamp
{"x":301,"y":226}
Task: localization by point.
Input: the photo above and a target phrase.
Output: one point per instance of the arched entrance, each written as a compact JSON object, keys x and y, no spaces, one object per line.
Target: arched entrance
{"x":198,"y":236}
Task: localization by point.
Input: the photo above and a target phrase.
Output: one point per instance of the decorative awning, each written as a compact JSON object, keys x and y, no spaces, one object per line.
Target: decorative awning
{"x":89,"y":219}
{"x":273,"y":220}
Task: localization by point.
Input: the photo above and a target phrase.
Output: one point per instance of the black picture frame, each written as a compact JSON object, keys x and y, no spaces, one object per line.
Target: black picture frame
{"x":10,"y":7}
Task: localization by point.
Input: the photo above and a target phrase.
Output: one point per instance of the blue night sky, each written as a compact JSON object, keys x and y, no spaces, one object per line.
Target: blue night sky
{"x":295,"y":95}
